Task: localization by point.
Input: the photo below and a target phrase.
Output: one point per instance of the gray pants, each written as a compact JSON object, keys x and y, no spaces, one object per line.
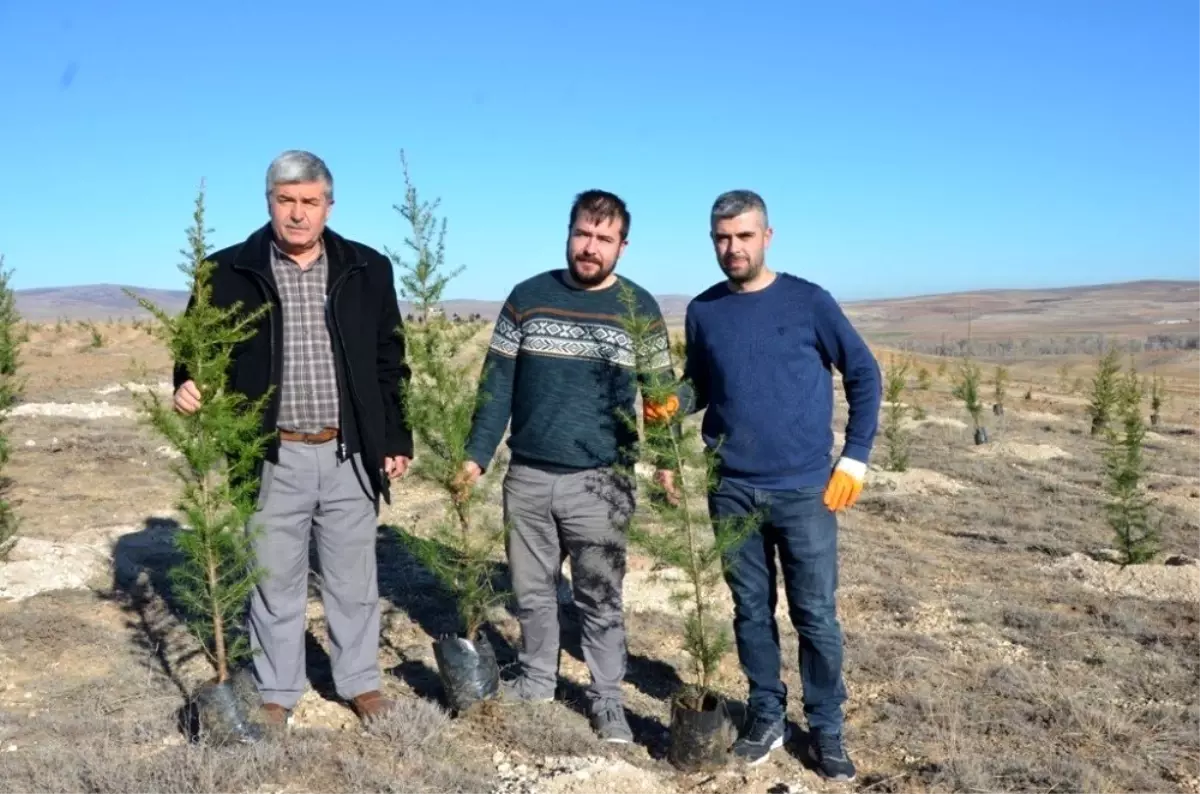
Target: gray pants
{"x":311,"y":491}
{"x":583,"y":516}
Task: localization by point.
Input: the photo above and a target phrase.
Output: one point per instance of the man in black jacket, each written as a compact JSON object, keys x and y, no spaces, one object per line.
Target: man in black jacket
{"x":331,"y":348}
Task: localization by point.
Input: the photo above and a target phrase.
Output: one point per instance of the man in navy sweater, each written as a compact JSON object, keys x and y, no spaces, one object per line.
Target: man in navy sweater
{"x":760,"y":347}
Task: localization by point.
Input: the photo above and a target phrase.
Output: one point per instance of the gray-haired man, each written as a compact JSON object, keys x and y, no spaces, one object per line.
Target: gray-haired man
{"x":332,"y":349}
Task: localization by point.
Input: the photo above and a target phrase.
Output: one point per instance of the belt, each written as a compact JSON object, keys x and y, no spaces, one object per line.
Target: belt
{"x":320,"y":437}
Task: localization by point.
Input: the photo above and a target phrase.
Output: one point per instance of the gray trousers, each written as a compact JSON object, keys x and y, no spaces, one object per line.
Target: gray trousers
{"x":311,"y":491}
{"x":583,"y":516}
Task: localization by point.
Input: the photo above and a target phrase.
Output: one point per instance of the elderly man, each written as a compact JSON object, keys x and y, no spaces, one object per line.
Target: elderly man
{"x":332,"y":350}
{"x":760,"y":350}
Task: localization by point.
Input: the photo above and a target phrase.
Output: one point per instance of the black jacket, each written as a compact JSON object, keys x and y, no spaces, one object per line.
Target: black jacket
{"x":368,"y":341}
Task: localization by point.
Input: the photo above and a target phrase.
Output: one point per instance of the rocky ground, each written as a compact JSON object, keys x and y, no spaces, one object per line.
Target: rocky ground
{"x":991,"y":643}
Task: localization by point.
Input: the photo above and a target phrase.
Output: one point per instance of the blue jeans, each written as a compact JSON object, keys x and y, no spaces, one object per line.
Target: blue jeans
{"x":798,"y":524}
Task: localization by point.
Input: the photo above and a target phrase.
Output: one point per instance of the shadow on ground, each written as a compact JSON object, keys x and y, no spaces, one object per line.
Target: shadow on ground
{"x":415,"y":591}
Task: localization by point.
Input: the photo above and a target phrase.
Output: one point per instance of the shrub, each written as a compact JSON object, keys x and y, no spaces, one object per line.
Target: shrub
{"x":221,"y":446}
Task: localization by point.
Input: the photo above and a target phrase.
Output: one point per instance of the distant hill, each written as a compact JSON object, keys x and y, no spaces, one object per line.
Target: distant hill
{"x":101,"y":301}
{"x":1137,"y":307}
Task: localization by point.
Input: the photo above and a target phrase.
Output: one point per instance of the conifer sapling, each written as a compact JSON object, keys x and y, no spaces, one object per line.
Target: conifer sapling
{"x":221,"y":447}
{"x":685,"y":540}
{"x":440,"y":402}
{"x":1128,"y":507}
{"x":966,"y":388}
{"x":11,"y":338}
{"x":1000,"y":382}
{"x":1105,"y":390}
{"x":896,"y":436}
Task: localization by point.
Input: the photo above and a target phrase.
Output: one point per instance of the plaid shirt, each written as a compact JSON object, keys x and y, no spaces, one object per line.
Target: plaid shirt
{"x":309,"y":392}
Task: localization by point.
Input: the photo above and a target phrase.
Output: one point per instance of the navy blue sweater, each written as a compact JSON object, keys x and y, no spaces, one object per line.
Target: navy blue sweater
{"x":760,"y":362}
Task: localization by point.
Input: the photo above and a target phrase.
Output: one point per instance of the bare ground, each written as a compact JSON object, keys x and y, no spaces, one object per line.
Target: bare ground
{"x":988,"y":645}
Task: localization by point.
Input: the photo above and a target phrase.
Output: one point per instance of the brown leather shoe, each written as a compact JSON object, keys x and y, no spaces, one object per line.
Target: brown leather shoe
{"x":273,"y":715}
{"x":371,"y":704}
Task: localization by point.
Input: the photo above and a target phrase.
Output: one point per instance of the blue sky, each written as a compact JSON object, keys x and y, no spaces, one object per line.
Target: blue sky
{"x":902,"y":147}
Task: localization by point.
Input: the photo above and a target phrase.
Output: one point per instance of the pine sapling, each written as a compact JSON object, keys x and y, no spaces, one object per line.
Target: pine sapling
{"x":1105,"y":390}
{"x":1000,"y":381}
{"x":966,"y":388}
{"x":11,"y":338}
{"x":685,"y":538}
{"x":1157,"y":391}
{"x":221,"y":446}
{"x":895,"y":434}
{"x":440,"y":402}
{"x":924,"y":379}
{"x":1128,"y":507}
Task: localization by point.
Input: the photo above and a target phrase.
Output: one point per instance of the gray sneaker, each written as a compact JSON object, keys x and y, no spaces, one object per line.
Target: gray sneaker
{"x":609,"y":723}
{"x":522,"y":690}
{"x":761,"y":737}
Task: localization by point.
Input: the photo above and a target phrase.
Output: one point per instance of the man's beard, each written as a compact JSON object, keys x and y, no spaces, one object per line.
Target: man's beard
{"x":590,"y":280}
{"x":750,"y":268}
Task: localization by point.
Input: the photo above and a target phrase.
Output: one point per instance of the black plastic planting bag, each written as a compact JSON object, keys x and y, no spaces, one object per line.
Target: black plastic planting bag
{"x":224,"y":713}
{"x":700,"y":737}
{"x":468,"y":671}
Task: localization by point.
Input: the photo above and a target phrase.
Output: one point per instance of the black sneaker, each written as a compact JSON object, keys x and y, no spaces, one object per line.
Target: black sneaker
{"x":828,"y":752}
{"x":763,"y":736}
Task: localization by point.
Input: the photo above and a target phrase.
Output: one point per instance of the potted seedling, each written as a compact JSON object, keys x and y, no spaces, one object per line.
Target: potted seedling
{"x":686,"y":540}
{"x":220,"y":448}
{"x":966,"y":388}
{"x":1000,"y":380}
{"x":440,"y":401}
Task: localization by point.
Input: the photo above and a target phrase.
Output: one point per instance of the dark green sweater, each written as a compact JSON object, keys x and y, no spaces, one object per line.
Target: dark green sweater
{"x":561,"y":366}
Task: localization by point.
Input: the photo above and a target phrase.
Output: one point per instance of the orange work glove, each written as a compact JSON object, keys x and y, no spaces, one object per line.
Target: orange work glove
{"x":845,"y":484}
{"x":660,"y":412}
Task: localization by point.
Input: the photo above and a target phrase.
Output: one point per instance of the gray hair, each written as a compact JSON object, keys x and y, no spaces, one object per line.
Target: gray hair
{"x":733,"y":203}
{"x":295,"y":166}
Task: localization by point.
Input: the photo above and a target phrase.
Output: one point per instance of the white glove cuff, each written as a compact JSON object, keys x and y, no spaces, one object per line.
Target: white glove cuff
{"x":855,"y":468}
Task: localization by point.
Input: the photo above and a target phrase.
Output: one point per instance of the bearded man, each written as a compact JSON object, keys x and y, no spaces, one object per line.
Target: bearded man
{"x":561,"y":366}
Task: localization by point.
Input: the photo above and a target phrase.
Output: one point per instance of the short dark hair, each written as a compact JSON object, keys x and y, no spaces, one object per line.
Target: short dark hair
{"x":602,"y":205}
{"x":733,"y":203}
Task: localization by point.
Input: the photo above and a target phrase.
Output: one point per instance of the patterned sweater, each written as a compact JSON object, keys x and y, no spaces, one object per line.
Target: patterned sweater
{"x":561,"y":366}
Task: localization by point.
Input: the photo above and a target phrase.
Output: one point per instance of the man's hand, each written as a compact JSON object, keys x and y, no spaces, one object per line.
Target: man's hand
{"x":660,"y":412}
{"x":470,"y":474}
{"x":396,"y":466}
{"x":665,"y":478}
{"x":845,"y":485}
{"x":187,"y":398}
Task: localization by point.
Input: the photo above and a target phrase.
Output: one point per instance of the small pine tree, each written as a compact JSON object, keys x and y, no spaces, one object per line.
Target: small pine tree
{"x":686,"y":539}
{"x":440,"y":402}
{"x":1128,"y":507}
{"x":1157,"y":391}
{"x":966,"y":388}
{"x":924,"y":379}
{"x":895,"y":435}
{"x":941,"y":369}
{"x":1000,"y":381}
{"x":1064,"y":377}
{"x":11,"y":338}
{"x":1105,"y":390}
{"x":221,"y":446}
